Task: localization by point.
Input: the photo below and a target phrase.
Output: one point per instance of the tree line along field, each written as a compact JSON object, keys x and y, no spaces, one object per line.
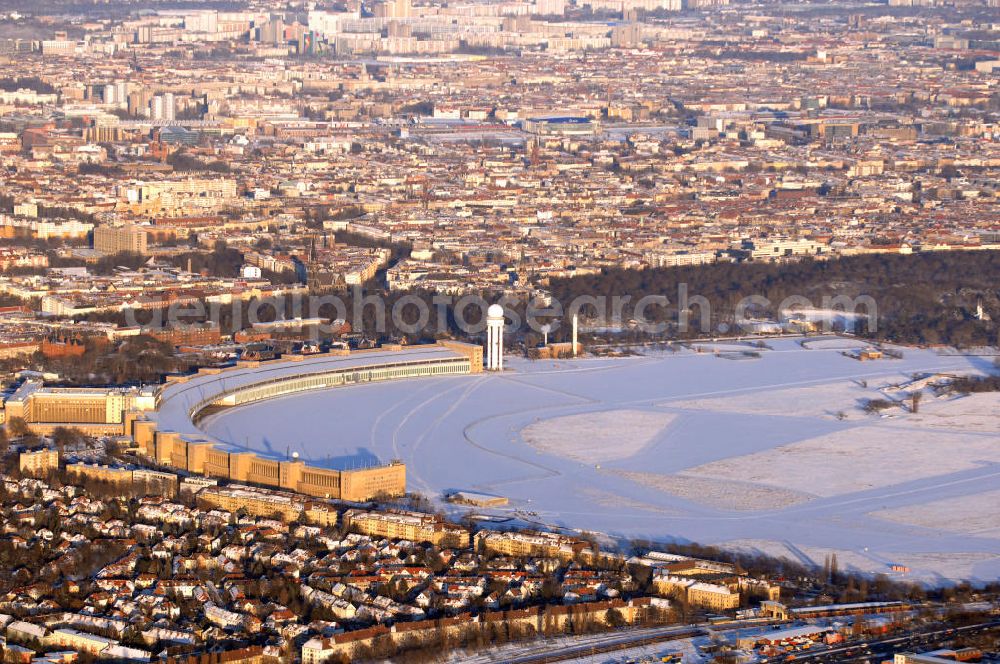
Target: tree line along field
{"x":926,"y":298}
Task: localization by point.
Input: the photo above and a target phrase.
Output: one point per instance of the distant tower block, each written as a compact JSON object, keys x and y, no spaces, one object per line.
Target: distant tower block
{"x":494,"y":338}
{"x":980,"y":313}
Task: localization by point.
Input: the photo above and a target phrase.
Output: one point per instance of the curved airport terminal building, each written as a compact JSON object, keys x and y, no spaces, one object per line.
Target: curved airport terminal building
{"x":169,"y":431}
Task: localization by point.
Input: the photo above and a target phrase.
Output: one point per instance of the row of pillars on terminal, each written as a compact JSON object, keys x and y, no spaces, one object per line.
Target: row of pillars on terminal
{"x":494,"y":337}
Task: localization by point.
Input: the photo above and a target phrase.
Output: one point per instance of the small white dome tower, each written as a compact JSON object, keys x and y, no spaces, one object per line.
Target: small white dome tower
{"x":494,"y":338}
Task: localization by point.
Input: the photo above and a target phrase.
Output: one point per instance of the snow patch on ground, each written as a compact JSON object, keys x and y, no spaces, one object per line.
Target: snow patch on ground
{"x":970,"y":515}
{"x":547,"y":644}
{"x":720,"y":494}
{"x":976,"y":567}
{"x":971,"y":413}
{"x":613,"y":500}
{"x":836,"y":400}
{"x":926,"y":566}
{"x":651,"y":653}
{"x":859,"y":459}
{"x":596,"y":437}
{"x":984,"y":351}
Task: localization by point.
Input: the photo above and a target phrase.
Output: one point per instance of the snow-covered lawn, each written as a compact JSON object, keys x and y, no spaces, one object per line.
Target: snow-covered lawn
{"x":834,"y":400}
{"x":546,"y":645}
{"x":860,"y":458}
{"x":721,"y":494}
{"x":970,"y":515}
{"x":970,"y":413}
{"x":932,"y":567}
{"x":596,"y":437}
{"x":609,"y":499}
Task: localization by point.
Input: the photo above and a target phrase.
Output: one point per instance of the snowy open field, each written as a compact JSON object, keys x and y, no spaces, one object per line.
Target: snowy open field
{"x":604,"y":435}
{"x":773,"y":454}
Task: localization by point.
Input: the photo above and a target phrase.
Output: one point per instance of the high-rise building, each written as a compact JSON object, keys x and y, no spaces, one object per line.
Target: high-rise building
{"x":202,"y":21}
{"x":162,"y":107}
{"x":39,"y":462}
{"x":156,"y":107}
{"x":272,"y":32}
{"x":628,"y":35}
{"x":139,"y":103}
{"x":169,"y":108}
{"x":393,"y":9}
{"x":550,"y":7}
{"x":118,"y":239}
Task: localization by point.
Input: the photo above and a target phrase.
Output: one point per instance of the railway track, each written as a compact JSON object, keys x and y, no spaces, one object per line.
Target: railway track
{"x":625,"y":642}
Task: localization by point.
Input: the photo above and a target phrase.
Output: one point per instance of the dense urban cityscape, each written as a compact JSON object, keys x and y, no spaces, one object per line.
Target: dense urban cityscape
{"x":499,"y":331}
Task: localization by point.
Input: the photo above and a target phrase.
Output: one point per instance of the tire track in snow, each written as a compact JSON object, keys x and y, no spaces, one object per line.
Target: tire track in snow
{"x":437,"y":422}
{"x":394,"y":407}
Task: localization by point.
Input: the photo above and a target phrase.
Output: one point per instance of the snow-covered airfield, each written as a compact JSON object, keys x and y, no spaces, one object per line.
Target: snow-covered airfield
{"x":771,"y":453}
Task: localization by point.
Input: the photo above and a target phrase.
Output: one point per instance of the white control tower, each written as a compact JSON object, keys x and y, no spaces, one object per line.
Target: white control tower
{"x":494,"y":338}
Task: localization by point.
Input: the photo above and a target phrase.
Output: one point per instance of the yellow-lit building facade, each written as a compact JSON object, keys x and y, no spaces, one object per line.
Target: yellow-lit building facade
{"x":94,"y":410}
{"x":530,"y":544}
{"x":99,"y":473}
{"x":705,"y":595}
{"x":412,"y":526}
{"x":39,"y":462}
{"x":712,"y":596}
{"x":287,"y":507}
